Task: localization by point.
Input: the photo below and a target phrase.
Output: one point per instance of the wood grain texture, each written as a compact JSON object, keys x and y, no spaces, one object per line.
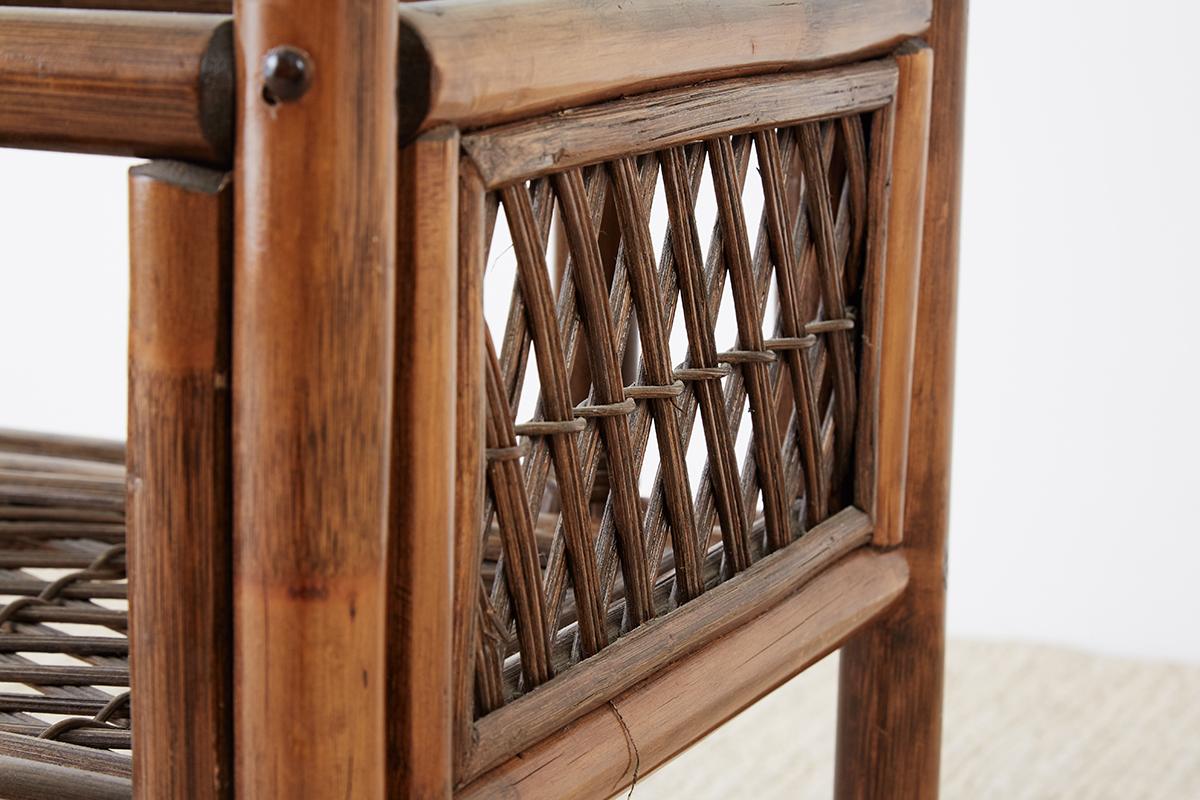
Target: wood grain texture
{"x":31,"y":780}
{"x":612,"y":746}
{"x":514,"y":727}
{"x":673,"y":117}
{"x":872,"y":305}
{"x":117,"y":82}
{"x":181,"y":6}
{"x":421,"y":536}
{"x":312,"y":401}
{"x":468,"y":63}
{"x":48,"y":751}
{"x":469,"y":487}
{"x":181,"y":253}
{"x":57,"y":445}
{"x":890,"y":697}
{"x":910,"y":145}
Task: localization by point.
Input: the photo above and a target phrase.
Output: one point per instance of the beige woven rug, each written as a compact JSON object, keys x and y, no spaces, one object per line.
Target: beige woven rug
{"x":1022,"y":721}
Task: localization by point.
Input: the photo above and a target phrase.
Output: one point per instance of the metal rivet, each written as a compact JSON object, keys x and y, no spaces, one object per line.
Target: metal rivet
{"x":287,"y":74}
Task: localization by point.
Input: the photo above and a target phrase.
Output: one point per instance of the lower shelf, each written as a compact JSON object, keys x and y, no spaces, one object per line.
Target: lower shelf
{"x":64,"y":672}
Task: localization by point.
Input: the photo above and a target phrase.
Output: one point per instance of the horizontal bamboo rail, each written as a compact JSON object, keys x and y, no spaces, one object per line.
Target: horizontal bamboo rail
{"x":673,"y":117}
{"x":657,"y":719}
{"x":136,"y":82}
{"x":522,"y":723}
{"x":117,"y":82}
{"x":192,"y":6}
{"x":459,"y":64}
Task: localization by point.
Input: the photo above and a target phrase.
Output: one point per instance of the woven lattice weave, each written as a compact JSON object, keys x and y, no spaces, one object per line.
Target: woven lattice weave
{"x":573,"y":555}
{"x":63,"y":595}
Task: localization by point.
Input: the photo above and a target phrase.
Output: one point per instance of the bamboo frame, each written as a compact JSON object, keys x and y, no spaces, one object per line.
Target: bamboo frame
{"x":667,"y":713}
{"x":177,"y":6}
{"x":421,"y":536}
{"x":674,"y":117}
{"x":891,"y":679}
{"x":312,"y":403}
{"x":640,"y":654}
{"x":333,"y":506}
{"x":560,"y":143}
{"x":878,"y":200}
{"x":117,"y":83}
{"x":179,"y":478}
{"x":462,"y":67}
{"x":470,"y":448}
{"x":911,"y":143}
{"x":121,"y":79}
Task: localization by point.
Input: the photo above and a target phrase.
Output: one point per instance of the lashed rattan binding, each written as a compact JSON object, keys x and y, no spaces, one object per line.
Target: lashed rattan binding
{"x":64,"y":671}
{"x":570,"y":566}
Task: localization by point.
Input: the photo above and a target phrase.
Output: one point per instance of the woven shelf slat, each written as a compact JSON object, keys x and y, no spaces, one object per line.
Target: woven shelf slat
{"x":60,"y":552}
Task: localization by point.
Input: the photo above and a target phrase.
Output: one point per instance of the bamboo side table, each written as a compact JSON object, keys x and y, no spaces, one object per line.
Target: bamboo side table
{"x":379,"y":537}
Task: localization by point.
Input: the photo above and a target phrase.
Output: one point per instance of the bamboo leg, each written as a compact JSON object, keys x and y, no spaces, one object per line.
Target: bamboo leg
{"x":421,"y":545}
{"x":312,"y":394}
{"x":890,"y":702}
{"x":179,"y":474}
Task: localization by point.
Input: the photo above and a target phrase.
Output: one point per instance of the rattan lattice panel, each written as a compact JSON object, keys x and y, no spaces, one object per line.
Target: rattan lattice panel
{"x":64,"y":667}
{"x":674,"y":387}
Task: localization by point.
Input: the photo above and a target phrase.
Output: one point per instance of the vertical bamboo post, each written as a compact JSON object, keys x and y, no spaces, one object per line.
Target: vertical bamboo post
{"x":315,"y":184}
{"x":178,"y":475}
{"x":910,"y":146}
{"x":470,"y":432}
{"x":890,"y":698}
{"x":421,"y":547}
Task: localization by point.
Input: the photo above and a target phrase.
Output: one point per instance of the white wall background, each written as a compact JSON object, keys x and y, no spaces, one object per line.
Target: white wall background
{"x":1076,"y":432}
{"x":1077,"y":426}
